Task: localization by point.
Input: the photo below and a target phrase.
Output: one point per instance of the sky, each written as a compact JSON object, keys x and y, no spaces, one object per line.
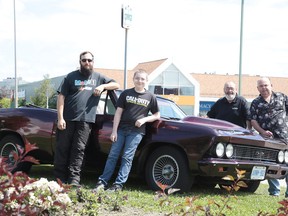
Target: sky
{"x":199,"y":36}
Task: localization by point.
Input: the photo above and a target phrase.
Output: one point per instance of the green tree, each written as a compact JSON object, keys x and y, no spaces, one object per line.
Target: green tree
{"x":5,"y":102}
{"x":53,"y":101}
{"x":43,"y":93}
{"x":21,"y":102}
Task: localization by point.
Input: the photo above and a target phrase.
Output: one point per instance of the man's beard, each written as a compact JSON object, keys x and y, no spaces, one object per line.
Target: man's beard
{"x":86,"y":72}
{"x":230,"y":97}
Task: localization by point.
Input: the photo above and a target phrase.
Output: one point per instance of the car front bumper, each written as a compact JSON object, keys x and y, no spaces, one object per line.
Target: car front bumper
{"x":223,"y":167}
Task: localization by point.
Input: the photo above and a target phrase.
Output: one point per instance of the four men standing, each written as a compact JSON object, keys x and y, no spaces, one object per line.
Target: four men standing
{"x":79,"y":96}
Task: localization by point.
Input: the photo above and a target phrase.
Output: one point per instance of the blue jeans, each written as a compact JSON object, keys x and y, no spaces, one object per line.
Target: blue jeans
{"x":128,"y":141}
{"x":274,"y":187}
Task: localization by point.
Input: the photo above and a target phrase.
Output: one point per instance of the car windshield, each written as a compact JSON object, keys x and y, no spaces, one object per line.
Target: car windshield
{"x":170,"y":110}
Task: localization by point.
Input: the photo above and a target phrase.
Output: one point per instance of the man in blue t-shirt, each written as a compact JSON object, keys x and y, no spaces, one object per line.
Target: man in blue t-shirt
{"x":78,"y":97}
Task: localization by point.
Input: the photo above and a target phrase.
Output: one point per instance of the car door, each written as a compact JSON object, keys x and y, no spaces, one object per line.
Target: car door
{"x":99,"y":142}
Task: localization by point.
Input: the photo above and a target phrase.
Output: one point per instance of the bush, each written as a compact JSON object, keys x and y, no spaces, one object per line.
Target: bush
{"x":21,"y":195}
{"x":5,"y":103}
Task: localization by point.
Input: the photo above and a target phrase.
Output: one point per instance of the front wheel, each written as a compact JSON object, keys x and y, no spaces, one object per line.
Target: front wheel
{"x":8,"y":145}
{"x":168,"y":166}
{"x":252,"y":186}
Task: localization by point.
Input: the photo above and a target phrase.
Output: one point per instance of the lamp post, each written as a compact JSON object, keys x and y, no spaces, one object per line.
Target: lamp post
{"x":126,"y":19}
{"x":240,"y":54}
{"x":15,"y":59}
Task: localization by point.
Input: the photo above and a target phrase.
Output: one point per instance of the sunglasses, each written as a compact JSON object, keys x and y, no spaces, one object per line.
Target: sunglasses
{"x":84,"y":60}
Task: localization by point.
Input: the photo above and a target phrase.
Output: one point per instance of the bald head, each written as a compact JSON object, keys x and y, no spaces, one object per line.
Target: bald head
{"x":230,"y":84}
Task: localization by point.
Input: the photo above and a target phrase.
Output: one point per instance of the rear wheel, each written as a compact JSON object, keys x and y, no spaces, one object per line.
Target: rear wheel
{"x":168,"y":166}
{"x":8,"y":145}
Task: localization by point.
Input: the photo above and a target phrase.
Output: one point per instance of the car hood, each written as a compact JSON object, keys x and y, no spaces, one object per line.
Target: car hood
{"x":235,"y":133}
{"x":213,"y":123}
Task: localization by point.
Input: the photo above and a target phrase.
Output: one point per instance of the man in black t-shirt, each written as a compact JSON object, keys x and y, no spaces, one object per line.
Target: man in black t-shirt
{"x":78,"y":97}
{"x":129,"y":123}
{"x":232,"y":108}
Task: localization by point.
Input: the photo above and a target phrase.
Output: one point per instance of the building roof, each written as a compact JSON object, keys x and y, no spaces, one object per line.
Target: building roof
{"x":118,"y":75}
{"x":150,"y":66}
{"x":115,"y":74}
{"x":211,"y":85}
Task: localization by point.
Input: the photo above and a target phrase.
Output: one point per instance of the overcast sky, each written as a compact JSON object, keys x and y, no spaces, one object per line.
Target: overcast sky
{"x":198,"y":35}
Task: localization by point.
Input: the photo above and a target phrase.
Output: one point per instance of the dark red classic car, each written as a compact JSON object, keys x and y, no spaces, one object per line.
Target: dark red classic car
{"x":177,"y":150}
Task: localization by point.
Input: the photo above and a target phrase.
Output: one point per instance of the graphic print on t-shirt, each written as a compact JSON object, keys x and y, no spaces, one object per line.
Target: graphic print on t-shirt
{"x":138,"y":101}
{"x":85,"y":84}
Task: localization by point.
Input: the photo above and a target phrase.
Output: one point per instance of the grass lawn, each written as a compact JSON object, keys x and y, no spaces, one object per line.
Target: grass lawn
{"x":140,"y":197}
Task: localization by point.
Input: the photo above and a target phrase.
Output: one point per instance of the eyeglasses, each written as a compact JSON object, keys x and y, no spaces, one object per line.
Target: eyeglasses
{"x":84,"y":60}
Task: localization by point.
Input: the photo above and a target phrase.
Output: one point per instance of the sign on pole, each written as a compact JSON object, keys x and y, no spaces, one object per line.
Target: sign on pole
{"x":126,"y":16}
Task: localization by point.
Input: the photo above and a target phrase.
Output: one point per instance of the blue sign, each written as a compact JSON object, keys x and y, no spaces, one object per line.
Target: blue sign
{"x":205,"y":106}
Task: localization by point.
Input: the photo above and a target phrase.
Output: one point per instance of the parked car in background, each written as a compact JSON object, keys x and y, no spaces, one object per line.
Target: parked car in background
{"x":178,"y":150}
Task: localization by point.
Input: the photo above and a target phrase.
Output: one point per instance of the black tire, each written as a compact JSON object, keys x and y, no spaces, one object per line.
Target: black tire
{"x":8,"y":145}
{"x":205,"y":186}
{"x":252,"y":186}
{"x":168,"y":166}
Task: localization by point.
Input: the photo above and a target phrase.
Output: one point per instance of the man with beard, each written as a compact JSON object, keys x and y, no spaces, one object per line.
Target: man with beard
{"x":232,"y":108}
{"x":78,"y":97}
{"x":268,"y":116}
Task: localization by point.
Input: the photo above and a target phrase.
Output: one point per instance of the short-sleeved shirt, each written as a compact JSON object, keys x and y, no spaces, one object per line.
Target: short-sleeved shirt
{"x":271,"y":116}
{"x":236,"y":112}
{"x":136,"y":106}
{"x":80,"y":103}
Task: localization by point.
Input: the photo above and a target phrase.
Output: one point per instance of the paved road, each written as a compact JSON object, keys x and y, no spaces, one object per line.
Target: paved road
{"x":282,"y":182}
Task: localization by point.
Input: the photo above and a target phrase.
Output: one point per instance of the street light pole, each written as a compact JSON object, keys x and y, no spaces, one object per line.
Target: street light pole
{"x":125,"y":59}
{"x":126,"y":19}
{"x":15,"y":59}
{"x":240,"y":54}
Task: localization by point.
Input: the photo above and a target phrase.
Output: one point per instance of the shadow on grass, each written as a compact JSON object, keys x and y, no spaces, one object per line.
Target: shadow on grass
{"x":89,"y":179}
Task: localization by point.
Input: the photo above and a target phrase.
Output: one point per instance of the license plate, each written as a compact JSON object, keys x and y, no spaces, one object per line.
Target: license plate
{"x":258,"y":173}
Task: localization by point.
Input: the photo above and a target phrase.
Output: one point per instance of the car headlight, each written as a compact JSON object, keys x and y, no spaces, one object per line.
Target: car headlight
{"x":220,"y":149}
{"x":280,"y":156}
{"x":286,"y":157}
{"x":229,"y":150}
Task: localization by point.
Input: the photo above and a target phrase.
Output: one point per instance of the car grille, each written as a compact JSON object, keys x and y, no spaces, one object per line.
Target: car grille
{"x":254,"y":153}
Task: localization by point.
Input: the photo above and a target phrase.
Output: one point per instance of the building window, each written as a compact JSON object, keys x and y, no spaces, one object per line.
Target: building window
{"x":186,"y":91}
{"x":168,"y":91}
{"x":156,"y":89}
{"x":171,"y":81}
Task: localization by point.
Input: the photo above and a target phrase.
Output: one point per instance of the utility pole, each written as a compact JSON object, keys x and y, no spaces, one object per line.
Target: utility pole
{"x":15,"y":59}
{"x":240,"y":54}
{"x":126,"y":20}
